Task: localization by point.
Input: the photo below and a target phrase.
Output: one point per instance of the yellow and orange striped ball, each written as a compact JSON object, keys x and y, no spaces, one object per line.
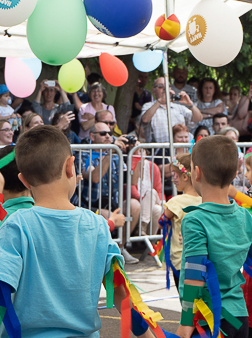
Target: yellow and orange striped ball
{"x":167,"y":29}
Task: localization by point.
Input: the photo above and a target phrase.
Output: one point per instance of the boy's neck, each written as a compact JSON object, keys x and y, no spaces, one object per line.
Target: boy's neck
{"x":9,"y":195}
{"x":215,"y":194}
{"x":52,"y":196}
{"x":3,"y":105}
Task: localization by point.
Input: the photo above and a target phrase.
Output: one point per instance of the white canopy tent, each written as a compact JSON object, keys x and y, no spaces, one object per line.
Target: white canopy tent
{"x":96,"y":42}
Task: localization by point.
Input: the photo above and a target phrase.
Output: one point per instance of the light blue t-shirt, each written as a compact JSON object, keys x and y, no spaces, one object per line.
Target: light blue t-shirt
{"x":55,"y":260}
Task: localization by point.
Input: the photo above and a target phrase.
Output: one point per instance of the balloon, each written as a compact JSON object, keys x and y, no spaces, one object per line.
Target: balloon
{"x":19,"y":78}
{"x":167,"y":29}
{"x":148,"y":60}
{"x":121,"y":19}
{"x":34,"y":64}
{"x":214,"y":33}
{"x":71,"y":76}
{"x":56,"y":30}
{"x":13,"y":12}
{"x":113,"y":69}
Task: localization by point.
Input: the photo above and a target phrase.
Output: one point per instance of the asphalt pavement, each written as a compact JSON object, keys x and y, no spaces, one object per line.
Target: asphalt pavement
{"x":151,"y":279}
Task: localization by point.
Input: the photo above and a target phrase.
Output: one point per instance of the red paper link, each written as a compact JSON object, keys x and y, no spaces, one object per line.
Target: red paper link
{"x":125,"y":306}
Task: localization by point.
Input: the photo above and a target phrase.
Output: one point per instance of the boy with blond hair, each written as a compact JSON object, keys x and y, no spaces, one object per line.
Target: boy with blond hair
{"x":54,"y":256}
{"x":218,"y":231}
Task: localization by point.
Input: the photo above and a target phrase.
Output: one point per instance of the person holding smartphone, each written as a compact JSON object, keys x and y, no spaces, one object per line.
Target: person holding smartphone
{"x":48,"y":108}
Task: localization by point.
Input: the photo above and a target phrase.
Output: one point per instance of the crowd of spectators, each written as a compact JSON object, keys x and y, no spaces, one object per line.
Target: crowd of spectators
{"x":198,"y":109}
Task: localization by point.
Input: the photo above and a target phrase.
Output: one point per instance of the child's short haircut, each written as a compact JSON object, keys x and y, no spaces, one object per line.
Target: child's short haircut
{"x":41,"y":153}
{"x":184,"y":159}
{"x":10,"y":173}
{"x":217,"y":157}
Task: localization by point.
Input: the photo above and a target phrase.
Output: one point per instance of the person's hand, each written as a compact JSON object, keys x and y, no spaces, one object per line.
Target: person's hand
{"x":240,"y":162}
{"x":65,"y":120}
{"x":79,"y":178}
{"x":185,"y":99}
{"x":43,"y":85}
{"x":122,"y":142}
{"x":180,"y":238}
{"x":57,"y":86}
{"x":13,"y":116}
{"x":117,"y":219}
{"x":18,"y":116}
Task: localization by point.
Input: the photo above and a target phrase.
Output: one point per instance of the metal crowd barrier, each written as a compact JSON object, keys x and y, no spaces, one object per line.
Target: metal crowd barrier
{"x":152,"y":147}
{"x":87,"y":148}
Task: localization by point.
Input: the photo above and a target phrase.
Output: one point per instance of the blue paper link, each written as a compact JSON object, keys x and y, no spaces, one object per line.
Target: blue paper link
{"x":10,"y":319}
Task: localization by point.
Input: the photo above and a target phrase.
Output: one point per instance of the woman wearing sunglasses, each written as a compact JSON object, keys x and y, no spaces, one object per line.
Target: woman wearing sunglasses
{"x":6,"y":133}
{"x":97,"y":94}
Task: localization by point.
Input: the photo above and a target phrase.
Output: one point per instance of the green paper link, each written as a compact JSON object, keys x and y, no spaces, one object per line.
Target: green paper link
{"x":236,"y":323}
{"x":110,"y":286}
{"x":7,"y":159}
{"x":2,"y":313}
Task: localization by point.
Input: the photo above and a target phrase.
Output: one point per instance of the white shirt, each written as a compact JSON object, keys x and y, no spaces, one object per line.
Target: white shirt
{"x":157,"y":129}
{"x":6,"y":111}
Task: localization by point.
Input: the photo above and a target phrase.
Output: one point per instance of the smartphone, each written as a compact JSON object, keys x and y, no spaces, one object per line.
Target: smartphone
{"x":50,"y":83}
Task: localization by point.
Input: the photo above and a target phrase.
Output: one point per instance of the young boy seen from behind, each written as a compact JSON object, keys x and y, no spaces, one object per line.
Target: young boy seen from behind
{"x":55,"y":255}
{"x":15,"y":195}
{"x":218,"y":231}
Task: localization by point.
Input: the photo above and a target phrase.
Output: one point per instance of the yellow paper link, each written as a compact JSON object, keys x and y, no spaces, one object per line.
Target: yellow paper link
{"x":207,"y":314}
{"x":149,"y":315}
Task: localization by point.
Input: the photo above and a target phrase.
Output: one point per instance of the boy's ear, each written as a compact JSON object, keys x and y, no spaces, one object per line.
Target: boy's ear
{"x":198,"y":173}
{"x":70,"y":167}
{"x":23,"y":180}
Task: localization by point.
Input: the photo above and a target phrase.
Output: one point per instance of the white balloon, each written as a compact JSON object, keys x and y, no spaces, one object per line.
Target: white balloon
{"x":214,"y":33}
{"x":13,"y":12}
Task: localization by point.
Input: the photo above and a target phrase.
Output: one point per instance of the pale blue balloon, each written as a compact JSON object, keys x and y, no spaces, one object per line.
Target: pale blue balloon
{"x":148,"y":60}
{"x":34,"y":64}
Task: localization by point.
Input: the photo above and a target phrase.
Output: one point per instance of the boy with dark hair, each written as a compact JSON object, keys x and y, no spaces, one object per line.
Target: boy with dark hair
{"x":15,"y":194}
{"x":217,"y":231}
{"x":54,"y":256}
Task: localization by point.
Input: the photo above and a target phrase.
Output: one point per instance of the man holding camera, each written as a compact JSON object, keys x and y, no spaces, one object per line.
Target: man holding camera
{"x":101,"y":133}
{"x":154,"y":114}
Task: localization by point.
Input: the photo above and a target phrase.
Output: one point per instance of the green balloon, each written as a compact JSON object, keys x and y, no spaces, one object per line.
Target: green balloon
{"x":56,"y":30}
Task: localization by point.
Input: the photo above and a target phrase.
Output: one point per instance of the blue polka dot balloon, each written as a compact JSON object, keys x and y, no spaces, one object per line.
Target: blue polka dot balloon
{"x":119,"y":18}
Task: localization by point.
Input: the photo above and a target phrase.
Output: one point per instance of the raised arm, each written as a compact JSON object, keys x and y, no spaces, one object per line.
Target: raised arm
{"x":77,"y":102}
{"x":147,"y":116}
{"x":42,"y":86}
{"x":95,"y":171}
{"x":196,"y":113}
{"x":244,"y":105}
{"x":62,"y":92}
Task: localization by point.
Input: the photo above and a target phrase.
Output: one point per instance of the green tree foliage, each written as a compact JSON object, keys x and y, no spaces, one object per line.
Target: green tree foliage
{"x":238,"y":72}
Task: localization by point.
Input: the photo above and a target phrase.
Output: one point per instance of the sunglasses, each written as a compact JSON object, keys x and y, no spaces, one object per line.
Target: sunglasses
{"x":111,"y":123}
{"x":103,"y":133}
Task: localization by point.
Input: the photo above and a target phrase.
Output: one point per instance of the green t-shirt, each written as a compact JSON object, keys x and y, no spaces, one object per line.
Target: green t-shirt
{"x":224,"y":234}
{"x":15,"y":204}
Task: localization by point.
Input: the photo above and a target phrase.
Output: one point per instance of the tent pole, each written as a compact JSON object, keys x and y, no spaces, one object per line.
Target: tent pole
{"x":170,"y":4}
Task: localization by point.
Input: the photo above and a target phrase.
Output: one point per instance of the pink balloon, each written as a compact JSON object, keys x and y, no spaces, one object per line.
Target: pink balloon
{"x":19,"y":78}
